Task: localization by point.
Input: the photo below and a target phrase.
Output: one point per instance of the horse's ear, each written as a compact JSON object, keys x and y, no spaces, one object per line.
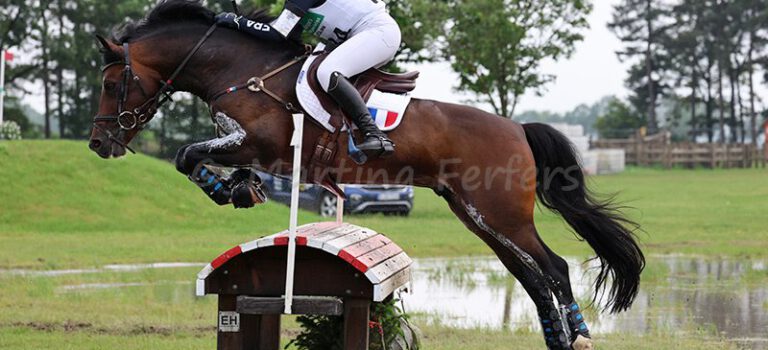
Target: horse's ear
{"x":105,"y":44}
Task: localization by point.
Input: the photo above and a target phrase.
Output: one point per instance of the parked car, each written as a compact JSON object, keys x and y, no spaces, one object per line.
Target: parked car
{"x":394,"y":200}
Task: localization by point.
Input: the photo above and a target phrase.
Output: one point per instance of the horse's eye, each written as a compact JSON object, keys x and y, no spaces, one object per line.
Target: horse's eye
{"x":109,"y":86}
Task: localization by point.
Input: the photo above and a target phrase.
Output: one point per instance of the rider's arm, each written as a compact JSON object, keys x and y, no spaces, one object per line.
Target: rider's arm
{"x":286,"y":26}
{"x":257,"y":29}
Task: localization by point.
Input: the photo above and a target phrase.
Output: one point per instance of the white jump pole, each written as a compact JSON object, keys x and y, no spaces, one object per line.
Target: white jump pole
{"x":296,"y":142}
{"x":2,"y":84}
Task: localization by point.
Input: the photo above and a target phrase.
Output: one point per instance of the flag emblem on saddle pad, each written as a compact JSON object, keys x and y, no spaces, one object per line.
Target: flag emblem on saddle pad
{"x":384,"y":119}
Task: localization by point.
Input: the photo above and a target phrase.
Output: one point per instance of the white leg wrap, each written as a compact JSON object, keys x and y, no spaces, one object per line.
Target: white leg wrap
{"x":232,"y":133}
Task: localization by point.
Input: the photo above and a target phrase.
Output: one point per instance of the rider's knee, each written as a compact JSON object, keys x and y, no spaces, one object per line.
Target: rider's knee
{"x":324,"y":76}
{"x":394,"y":39}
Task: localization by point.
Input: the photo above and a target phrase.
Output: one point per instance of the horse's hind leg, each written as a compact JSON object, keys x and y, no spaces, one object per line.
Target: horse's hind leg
{"x":525,"y":269}
{"x":557,"y":268}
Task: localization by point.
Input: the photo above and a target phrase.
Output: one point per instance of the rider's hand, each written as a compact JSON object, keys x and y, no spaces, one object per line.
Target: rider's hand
{"x":228,"y":19}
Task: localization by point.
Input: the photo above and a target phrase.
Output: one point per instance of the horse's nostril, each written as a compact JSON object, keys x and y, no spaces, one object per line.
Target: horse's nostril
{"x":95,"y":144}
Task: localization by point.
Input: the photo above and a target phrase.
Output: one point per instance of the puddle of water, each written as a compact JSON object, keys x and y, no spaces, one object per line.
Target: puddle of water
{"x":690,"y":293}
{"x":98,"y":286}
{"x":105,"y":268}
{"x":698,"y":293}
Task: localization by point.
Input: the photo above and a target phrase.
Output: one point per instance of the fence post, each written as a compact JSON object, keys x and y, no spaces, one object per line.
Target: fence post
{"x":746,"y":151}
{"x":764,"y":159}
{"x":641,"y":159}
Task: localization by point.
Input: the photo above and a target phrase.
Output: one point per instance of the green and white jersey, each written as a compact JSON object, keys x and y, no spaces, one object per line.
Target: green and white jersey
{"x":334,"y":20}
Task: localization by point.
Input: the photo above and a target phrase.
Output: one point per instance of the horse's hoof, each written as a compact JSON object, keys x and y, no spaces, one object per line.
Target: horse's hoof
{"x":582,"y":343}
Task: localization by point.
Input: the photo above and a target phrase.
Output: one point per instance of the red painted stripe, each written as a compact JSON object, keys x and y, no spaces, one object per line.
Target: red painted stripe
{"x":391,"y":119}
{"x":304,"y":233}
{"x":344,"y":255}
{"x":360,"y":266}
{"x":361,"y":248}
{"x":223,"y":258}
{"x":365,"y":262}
{"x":281,"y":241}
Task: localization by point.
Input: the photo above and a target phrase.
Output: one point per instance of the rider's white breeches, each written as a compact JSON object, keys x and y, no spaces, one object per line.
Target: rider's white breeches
{"x":372,"y":44}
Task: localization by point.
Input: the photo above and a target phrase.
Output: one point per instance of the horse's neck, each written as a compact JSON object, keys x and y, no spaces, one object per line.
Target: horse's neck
{"x":226,"y":59}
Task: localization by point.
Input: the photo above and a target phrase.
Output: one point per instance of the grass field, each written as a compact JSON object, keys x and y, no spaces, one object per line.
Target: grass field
{"x":63,"y":208}
{"x":86,"y":211}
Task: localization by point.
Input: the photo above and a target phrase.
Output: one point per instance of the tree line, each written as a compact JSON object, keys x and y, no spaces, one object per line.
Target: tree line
{"x":703,"y":56}
{"x":495,"y":46}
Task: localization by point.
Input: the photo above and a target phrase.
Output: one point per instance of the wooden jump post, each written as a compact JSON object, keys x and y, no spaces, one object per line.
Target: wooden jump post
{"x":329,"y":268}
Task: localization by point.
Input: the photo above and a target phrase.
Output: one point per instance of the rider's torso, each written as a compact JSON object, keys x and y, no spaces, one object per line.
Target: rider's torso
{"x":334,"y":20}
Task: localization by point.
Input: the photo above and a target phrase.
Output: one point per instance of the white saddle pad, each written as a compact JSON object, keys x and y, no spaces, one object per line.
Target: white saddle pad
{"x":388,"y":110}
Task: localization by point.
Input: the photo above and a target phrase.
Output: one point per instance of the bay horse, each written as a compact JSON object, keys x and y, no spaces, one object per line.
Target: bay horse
{"x":489,"y":169}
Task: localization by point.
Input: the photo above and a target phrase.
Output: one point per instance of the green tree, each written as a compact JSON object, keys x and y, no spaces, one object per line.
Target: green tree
{"x":620,"y":121}
{"x":710,"y":51}
{"x":14,"y":112}
{"x":686,"y":47}
{"x":183,"y":121}
{"x":422,"y":24}
{"x":641,"y":26}
{"x":13,"y":31}
{"x":584,"y":114}
{"x":497,"y":46}
{"x":13,"y":28}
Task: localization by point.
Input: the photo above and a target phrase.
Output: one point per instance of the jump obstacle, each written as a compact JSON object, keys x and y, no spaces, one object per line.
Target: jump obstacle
{"x":328,"y":268}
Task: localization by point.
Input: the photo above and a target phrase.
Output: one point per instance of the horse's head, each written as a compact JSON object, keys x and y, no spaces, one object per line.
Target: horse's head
{"x":129,"y":99}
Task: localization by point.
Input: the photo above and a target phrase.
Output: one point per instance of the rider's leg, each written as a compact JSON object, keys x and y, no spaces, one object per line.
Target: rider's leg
{"x":373,"y":46}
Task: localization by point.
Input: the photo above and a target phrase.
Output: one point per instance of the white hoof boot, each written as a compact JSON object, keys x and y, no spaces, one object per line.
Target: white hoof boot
{"x":582,"y":343}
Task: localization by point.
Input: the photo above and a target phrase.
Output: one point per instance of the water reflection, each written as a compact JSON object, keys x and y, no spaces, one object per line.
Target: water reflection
{"x":679,"y":294}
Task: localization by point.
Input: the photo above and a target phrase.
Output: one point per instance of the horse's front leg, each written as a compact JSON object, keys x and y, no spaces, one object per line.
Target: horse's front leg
{"x":202,"y":163}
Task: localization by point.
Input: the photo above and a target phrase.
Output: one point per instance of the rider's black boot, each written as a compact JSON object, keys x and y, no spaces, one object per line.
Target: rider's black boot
{"x":376,"y":142}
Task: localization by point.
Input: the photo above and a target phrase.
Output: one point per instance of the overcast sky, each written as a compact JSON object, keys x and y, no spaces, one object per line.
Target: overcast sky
{"x":591,"y":73}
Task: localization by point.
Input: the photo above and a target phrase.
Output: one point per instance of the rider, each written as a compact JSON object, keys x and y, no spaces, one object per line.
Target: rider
{"x":365,"y":36}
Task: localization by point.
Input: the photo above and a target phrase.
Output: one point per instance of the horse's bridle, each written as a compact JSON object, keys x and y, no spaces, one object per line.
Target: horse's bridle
{"x":137,"y":118}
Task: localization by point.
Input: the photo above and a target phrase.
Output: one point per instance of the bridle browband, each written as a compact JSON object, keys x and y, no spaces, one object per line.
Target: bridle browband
{"x":140,"y":116}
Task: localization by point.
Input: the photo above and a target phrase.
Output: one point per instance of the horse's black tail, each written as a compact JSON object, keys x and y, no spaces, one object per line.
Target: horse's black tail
{"x":561,"y":187}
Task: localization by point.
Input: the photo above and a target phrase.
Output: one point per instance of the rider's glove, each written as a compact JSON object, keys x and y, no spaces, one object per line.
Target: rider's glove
{"x":257,"y":29}
{"x":229,"y":20}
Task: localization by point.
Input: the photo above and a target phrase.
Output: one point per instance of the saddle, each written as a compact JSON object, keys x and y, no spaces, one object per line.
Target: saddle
{"x":366,"y":83}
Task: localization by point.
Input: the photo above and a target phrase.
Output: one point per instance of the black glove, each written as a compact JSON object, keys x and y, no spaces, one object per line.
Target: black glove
{"x":229,"y":20}
{"x":257,"y":29}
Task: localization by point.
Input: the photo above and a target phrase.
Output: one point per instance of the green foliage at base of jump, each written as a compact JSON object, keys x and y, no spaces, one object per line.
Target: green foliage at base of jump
{"x":390,"y":328}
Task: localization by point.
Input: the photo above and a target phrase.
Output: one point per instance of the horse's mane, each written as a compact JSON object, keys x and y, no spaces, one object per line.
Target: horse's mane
{"x":175,"y":11}
{"x":165,"y":13}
